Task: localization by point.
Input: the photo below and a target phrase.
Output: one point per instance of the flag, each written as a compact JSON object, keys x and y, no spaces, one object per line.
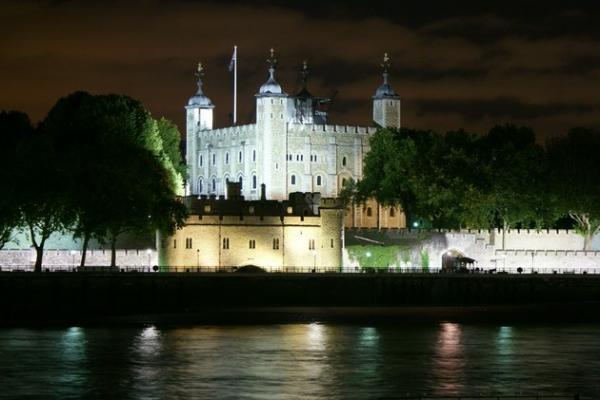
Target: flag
{"x":233,"y":59}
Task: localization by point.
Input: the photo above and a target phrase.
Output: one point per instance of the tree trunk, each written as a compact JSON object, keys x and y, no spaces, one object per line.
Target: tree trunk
{"x":587,"y":240}
{"x":86,"y":239}
{"x":39,"y":254}
{"x":113,"y":251}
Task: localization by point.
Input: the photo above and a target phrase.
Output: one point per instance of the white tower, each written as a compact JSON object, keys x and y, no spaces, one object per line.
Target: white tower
{"x":271,"y":135}
{"x":199,"y":113}
{"x":386,"y":103}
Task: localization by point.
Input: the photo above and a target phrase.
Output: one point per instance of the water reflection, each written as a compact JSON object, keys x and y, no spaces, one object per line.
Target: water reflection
{"x":449,"y":360}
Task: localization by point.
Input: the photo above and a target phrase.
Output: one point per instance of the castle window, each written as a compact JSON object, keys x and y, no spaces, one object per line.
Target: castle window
{"x":281,"y":116}
{"x":188,"y":243}
{"x":271,"y":115}
{"x":315,"y":157}
{"x":214,"y":185}
{"x":227,"y":158}
{"x":369,"y":212}
{"x":174,"y":243}
{"x":240,"y":157}
{"x":253,"y":181}
{"x":226,"y":243}
{"x":293,"y":180}
{"x":200,"y":160}
{"x":311,"y":157}
{"x":311,"y":244}
{"x":297,"y":157}
{"x":200,"y":185}
{"x":318,"y":180}
{"x":240,"y":180}
{"x":301,"y":157}
{"x":276,"y":244}
{"x":331,"y":243}
{"x":392,"y":212}
{"x":252,"y":244}
{"x":344,"y":161}
{"x":343,"y":182}
{"x":253,"y":155}
{"x":214,"y":159}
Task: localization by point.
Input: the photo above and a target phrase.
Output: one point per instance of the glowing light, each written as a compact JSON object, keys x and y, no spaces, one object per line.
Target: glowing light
{"x":415,"y":224}
{"x":368,"y":254}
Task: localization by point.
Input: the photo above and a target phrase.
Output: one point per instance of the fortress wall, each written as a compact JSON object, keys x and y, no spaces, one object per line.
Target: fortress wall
{"x":542,"y":240}
{"x":65,"y":259}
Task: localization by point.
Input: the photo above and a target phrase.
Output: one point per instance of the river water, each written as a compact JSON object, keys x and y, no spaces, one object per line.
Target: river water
{"x":299,"y":361}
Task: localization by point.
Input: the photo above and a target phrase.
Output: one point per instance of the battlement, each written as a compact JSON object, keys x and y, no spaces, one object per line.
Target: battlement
{"x":229,"y":131}
{"x":318,"y":128}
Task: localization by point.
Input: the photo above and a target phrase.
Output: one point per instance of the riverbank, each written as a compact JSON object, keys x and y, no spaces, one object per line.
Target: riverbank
{"x":251,"y":298}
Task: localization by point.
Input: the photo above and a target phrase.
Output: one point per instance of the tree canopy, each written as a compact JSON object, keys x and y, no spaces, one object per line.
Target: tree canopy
{"x":503,"y":179}
{"x":98,"y":165}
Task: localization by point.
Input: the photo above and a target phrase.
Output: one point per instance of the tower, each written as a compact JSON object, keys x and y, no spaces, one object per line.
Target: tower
{"x":199,"y":116}
{"x":271,"y":135}
{"x":386,"y":103}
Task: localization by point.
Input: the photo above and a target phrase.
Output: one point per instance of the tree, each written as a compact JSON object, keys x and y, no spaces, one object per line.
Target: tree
{"x":171,"y":142}
{"x":15,"y":128}
{"x":110,"y":145}
{"x":574,"y":171}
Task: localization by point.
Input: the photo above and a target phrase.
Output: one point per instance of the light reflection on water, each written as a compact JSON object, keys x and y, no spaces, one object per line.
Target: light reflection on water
{"x":298,"y":361}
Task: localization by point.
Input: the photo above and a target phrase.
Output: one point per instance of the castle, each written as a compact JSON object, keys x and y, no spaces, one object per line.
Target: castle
{"x":290,"y":148}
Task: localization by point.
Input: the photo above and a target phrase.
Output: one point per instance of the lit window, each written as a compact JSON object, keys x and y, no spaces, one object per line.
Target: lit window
{"x":319,"y":180}
{"x":290,"y":210}
{"x":276,"y":244}
{"x":252,"y":244}
{"x":253,"y":181}
{"x":188,"y":243}
{"x":293,"y":179}
{"x":225,"y":243}
{"x":311,"y":244}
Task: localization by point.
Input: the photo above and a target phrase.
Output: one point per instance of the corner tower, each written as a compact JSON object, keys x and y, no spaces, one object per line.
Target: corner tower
{"x":386,"y":103}
{"x":199,"y":116}
{"x":271,"y":135}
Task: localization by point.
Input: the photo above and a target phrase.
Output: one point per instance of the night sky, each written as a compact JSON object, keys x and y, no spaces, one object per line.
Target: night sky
{"x":455,"y":64}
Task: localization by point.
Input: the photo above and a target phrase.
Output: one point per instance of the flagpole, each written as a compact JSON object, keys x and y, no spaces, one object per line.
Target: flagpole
{"x":235,"y":85}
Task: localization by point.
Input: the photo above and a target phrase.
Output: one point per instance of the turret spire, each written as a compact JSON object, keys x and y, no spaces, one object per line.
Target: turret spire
{"x":199,"y":74}
{"x":200,"y":99}
{"x":385,"y":90}
{"x":271,"y":86}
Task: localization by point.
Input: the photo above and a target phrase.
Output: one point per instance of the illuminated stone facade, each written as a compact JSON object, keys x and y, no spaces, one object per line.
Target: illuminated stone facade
{"x":291,"y":148}
{"x":303,"y":232}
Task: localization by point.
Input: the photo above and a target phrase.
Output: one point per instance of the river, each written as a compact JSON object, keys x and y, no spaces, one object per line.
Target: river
{"x":299,"y":361}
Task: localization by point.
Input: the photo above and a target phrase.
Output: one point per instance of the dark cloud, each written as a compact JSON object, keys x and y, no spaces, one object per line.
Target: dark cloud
{"x":455,"y":64}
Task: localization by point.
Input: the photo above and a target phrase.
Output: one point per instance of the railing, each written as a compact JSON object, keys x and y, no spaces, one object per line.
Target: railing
{"x":303,"y":269}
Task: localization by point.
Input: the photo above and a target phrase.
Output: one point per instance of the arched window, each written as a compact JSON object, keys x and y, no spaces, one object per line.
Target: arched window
{"x":318,"y":180}
{"x":253,"y":155}
{"x":343,"y":182}
{"x":200,"y":185}
{"x":293,"y":180}
{"x":253,"y":181}
{"x":240,"y":180}
{"x":344,"y":161}
{"x":227,"y":158}
{"x":214,"y":185}
{"x":240,"y":157}
{"x":369,"y":212}
{"x":226,"y":179}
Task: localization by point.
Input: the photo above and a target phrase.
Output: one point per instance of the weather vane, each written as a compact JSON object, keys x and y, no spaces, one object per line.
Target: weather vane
{"x":200,"y":71}
{"x":272,"y":61}
{"x":386,"y":62}
{"x":304,"y":71}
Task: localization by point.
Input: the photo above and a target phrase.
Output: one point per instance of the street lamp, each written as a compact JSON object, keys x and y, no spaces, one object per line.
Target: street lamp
{"x":415,"y":224}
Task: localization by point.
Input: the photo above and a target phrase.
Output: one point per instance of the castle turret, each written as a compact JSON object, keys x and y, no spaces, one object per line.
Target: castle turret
{"x":386,"y":103}
{"x":271,"y":116}
{"x":199,"y":117}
